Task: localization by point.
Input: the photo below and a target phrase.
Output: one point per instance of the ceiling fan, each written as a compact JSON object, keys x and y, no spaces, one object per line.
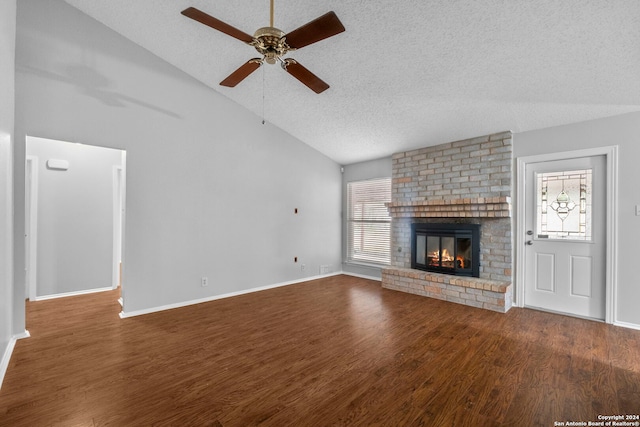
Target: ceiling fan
{"x":273,"y":44}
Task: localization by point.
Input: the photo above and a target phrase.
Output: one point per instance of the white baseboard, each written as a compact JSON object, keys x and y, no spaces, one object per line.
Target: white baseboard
{"x":124,"y":315}
{"x":23,"y":335}
{"x":627,"y":325}
{"x":73,"y":294}
{"x":6,"y":357}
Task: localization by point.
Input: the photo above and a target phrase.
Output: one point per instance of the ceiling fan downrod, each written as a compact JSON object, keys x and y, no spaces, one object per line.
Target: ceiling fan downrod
{"x":271,"y":16}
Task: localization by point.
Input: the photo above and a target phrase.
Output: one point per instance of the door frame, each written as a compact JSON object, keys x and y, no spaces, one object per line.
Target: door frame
{"x":31,"y":225}
{"x":611,"y":226}
{"x":118,"y":214}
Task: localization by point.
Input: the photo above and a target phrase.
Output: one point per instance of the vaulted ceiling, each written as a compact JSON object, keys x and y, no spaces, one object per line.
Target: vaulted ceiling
{"x":411,"y":73}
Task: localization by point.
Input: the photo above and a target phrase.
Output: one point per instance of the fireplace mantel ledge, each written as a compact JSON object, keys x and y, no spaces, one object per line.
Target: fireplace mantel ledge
{"x":478,"y":207}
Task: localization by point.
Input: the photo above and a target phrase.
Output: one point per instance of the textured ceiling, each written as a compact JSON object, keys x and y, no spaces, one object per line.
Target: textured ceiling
{"x":408,"y":74}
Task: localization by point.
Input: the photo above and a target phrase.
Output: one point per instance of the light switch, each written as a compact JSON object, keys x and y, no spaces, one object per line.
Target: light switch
{"x":637,"y":210}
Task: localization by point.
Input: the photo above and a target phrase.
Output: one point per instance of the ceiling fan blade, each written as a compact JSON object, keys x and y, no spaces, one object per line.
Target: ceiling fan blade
{"x":241,"y":73}
{"x":216,"y":24}
{"x":312,"y":81}
{"x":319,"y":29}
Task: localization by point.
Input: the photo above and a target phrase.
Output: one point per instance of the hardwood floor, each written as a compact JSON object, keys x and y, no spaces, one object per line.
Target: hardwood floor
{"x":335,"y":351}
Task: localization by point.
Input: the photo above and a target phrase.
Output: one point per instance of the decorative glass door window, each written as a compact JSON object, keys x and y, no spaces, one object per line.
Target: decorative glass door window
{"x":564,"y":205}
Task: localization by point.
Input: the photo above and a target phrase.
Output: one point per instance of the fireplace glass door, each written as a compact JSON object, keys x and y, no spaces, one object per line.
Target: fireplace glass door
{"x":446,"y":248}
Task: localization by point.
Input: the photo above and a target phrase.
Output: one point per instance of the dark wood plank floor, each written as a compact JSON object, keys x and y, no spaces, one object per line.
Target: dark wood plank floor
{"x":335,"y":351}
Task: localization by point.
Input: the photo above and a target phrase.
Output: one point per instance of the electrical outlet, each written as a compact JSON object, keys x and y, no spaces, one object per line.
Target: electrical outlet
{"x":302,"y":267}
{"x":325,"y":269}
{"x":204,"y":281}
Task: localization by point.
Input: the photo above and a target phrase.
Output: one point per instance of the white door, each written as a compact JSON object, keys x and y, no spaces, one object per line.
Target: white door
{"x":565,"y":245}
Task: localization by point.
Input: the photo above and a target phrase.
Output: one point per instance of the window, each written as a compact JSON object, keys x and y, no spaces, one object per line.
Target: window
{"x":368,"y":221}
{"x":564,"y":205}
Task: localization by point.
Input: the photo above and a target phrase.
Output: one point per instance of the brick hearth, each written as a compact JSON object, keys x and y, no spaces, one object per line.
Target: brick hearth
{"x":481,"y":293}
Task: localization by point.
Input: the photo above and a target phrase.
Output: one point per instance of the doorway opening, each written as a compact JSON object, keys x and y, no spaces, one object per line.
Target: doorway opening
{"x":74,"y":218}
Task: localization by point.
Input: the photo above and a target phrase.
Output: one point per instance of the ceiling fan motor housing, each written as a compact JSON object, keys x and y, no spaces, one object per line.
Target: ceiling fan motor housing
{"x":270,"y":43}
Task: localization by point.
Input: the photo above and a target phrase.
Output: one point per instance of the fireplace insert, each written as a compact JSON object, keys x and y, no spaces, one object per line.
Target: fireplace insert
{"x":446,"y":248}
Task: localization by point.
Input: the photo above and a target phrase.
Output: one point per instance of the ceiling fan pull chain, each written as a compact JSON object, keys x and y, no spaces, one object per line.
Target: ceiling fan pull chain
{"x":263,"y":80}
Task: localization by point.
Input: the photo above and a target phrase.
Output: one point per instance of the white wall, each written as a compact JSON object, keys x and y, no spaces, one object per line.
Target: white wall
{"x":7,"y":54}
{"x":623,"y":131}
{"x":379,"y":168}
{"x":75,"y":216}
{"x":210,"y":190}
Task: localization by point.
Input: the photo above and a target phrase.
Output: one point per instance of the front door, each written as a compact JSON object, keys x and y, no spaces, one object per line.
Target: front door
{"x":565,"y":250}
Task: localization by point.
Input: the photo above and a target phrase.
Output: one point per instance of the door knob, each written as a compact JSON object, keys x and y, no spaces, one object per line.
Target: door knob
{"x":529,"y":242}
{"x":529,"y":233}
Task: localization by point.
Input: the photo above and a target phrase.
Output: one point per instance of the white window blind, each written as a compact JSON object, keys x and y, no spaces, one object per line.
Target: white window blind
{"x":368,"y":221}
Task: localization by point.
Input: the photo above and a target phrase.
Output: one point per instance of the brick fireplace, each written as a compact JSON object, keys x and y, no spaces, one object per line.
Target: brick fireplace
{"x":465,"y":182}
